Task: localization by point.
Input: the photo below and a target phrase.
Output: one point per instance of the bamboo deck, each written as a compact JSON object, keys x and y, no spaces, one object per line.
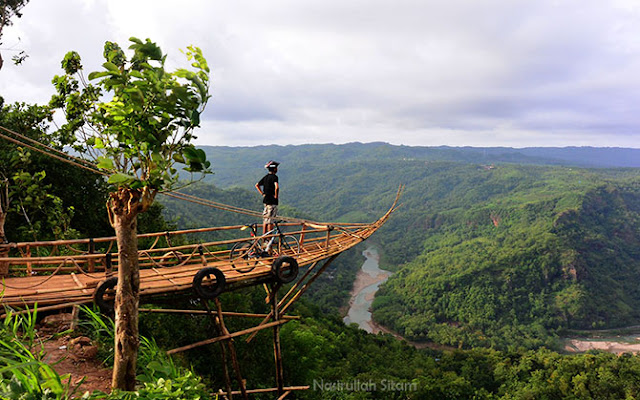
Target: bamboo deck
{"x":72,"y":270}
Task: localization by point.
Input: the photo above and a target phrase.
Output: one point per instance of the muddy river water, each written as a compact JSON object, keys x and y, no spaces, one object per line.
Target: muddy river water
{"x":370,"y":277}
{"x":368,"y":280}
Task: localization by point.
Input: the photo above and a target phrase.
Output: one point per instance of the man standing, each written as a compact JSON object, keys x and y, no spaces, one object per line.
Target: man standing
{"x":269,"y":189}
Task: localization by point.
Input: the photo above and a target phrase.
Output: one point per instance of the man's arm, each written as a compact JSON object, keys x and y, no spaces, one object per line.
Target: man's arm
{"x":277,"y":190}
{"x":260,"y":191}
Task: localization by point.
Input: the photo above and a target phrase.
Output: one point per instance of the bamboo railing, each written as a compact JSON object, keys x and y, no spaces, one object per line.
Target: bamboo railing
{"x":56,"y":274}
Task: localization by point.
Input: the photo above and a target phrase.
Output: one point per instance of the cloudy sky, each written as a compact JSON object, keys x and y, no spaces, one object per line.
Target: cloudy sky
{"x":431,"y":72}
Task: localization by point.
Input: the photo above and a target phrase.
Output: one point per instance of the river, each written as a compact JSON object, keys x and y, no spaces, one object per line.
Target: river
{"x":368,"y":280}
{"x":370,"y":277}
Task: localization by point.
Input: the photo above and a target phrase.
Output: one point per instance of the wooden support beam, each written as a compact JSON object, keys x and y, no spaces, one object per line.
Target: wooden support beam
{"x":47,"y":308}
{"x":223,"y":351}
{"x":202,"y":312}
{"x":306,"y":285}
{"x":255,"y":391}
{"x":328,"y":239}
{"x":229,"y":336}
{"x":28,"y":256}
{"x":285,"y":394}
{"x":232,"y":351}
{"x":302,"y":234}
{"x":91,"y":261}
{"x":74,"y":318}
{"x":298,"y":283}
{"x":298,"y":294}
{"x":277,"y":351}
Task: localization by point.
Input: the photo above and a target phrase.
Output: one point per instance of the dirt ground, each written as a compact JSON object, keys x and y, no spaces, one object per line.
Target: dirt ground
{"x":580,"y":346}
{"x":75,"y":355}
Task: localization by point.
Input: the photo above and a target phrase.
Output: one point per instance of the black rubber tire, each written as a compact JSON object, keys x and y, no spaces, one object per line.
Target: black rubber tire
{"x":211,"y":288}
{"x":105,"y":306}
{"x":287,"y":244}
{"x":285,"y":269}
{"x":241,"y":261}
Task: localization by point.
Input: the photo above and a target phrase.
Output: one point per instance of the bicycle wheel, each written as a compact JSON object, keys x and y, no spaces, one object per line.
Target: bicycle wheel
{"x":287,"y":245}
{"x":243,"y":257}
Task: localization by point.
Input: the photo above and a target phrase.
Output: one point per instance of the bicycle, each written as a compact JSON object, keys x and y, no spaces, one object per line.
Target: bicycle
{"x":244,"y":256}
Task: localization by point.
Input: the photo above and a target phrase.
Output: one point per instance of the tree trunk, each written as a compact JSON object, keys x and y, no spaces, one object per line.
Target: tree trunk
{"x":4,"y":210}
{"x":124,"y":208}
{"x":4,"y":251}
{"x":4,"y":207}
{"x":4,"y":265}
{"x":3,"y":218}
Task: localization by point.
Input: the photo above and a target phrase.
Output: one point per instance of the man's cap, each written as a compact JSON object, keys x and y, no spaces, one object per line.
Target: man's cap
{"x":272,"y":164}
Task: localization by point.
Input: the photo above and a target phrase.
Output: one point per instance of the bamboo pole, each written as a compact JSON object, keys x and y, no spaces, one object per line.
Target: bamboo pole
{"x":92,"y":250}
{"x":225,"y":368}
{"x":28,"y":263}
{"x":256,"y":391}
{"x":225,"y":337}
{"x":298,"y":294}
{"x":285,"y":394}
{"x":232,"y":350}
{"x":225,"y":313}
{"x":157,"y":281}
{"x":277,"y":351}
{"x":302,"y":234}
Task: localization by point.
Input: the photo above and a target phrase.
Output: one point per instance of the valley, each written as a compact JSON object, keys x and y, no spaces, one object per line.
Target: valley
{"x":485,"y":269}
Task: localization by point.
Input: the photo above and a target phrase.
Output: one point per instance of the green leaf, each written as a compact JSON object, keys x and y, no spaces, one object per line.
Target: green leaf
{"x":105,"y":163}
{"x":111,"y":66}
{"x":120,"y":178}
{"x":99,"y":74}
{"x":195,"y":118}
{"x":177,"y":157}
{"x":190,"y":153}
{"x":184,"y":73}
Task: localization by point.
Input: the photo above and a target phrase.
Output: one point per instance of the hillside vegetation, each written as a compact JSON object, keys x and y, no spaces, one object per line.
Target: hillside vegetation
{"x":506,"y":256}
{"x":509,"y":271}
{"x":487,"y":255}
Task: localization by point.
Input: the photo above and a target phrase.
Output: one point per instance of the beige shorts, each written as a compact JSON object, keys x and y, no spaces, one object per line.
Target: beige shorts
{"x":269,"y":213}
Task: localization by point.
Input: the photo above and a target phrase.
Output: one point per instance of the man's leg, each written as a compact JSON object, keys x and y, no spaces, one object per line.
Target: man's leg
{"x":269,"y":215}
{"x":265,"y":219}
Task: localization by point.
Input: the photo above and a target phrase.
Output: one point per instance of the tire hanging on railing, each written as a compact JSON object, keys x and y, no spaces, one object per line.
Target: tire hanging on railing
{"x":285,"y":269}
{"x":106,"y":288}
{"x":208,"y":283}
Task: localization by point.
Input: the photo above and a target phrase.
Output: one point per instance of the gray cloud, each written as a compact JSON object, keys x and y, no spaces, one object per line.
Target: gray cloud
{"x":458,"y":72}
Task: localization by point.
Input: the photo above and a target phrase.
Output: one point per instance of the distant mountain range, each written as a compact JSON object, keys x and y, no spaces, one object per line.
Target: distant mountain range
{"x":231,"y":164}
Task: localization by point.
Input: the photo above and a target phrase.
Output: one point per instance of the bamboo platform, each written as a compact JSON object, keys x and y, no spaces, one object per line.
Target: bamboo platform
{"x":59,"y":274}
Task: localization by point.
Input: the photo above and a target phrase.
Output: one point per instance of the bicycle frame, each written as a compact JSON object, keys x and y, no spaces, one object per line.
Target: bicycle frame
{"x":256,"y":248}
{"x":274,"y":233}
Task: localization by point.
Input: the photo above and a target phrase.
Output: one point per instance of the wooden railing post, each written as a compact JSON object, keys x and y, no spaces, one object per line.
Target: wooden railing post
{"x":4,"y":265}
{"x":108,"y":264}
{"x":28,"y":262}
{"x":327,"y":242}
{"x":92,"y":250}
{"x":304,"y":228}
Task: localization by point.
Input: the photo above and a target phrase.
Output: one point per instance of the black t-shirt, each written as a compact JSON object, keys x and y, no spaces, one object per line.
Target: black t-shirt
{"x":268,"y":183}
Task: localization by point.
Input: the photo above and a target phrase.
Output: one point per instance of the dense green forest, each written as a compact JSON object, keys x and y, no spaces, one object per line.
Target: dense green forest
{"x":487,"y":255}
{"x":504,"y":256}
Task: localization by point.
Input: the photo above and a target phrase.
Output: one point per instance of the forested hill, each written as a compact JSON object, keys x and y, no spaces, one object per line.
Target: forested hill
{"x":500,"y":255}
{"x":238,"y":165}
{"x":558,"y":251}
